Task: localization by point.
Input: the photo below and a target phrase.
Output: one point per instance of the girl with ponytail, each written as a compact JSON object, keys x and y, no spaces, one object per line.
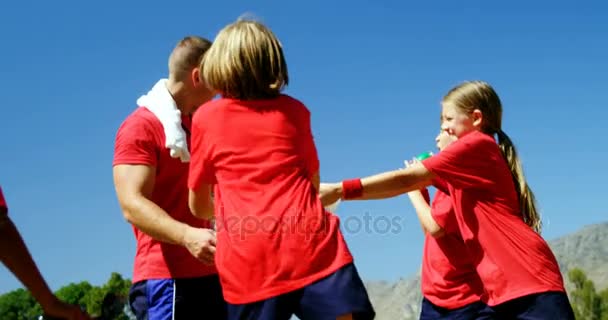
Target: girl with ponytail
{"x":494,"y":207}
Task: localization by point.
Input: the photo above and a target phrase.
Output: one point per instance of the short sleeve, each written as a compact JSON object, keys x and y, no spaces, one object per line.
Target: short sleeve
{"x":466,"y":163}
{"x":135,"y":143}
{"x":201,"y":169}
{"x":443,"y":213}
{"x":309,"y":149}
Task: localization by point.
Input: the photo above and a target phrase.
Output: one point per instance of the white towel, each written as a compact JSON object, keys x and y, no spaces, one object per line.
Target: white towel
{"x":160,"y":102}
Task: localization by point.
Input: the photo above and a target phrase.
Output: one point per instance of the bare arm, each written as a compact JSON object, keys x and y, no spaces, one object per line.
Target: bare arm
{"x":384,"y":185}
{"x":134,"y":185}
{"x":201,"y":202}
{"x":397,"y":182}
{"x":423,"y":210}
{"x":17,"y":258}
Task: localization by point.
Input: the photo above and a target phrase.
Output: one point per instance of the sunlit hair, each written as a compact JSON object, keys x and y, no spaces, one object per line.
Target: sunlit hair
{"x":245,"y":62}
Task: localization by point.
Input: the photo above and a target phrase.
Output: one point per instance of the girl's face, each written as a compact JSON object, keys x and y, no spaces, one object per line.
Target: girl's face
{"x":457,"y":123}
{"x":444,"y":139}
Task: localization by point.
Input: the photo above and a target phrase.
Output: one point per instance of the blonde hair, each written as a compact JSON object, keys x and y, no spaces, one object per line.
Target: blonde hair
{"x":479,"y":95}
{"x":245,"y":62}
{"x":187,"y":55}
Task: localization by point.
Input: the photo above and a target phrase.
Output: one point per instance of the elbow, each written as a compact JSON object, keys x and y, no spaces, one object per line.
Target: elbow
{"x":128,"y":208}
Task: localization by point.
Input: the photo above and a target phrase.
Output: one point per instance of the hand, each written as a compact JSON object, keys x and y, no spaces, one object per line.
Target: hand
{"x":201,"y":244}
{"x":330,"y":193}
{"x":61,"y":310}
{"x":409,"y":163}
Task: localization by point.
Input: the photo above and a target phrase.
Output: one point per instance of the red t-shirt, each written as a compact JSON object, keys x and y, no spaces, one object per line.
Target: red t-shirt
{"x":3,"y":206}
{"x":511,"y":259}
{"x":449,"y":279}
{"x":141,"y":141}
{"x":274,"y":236}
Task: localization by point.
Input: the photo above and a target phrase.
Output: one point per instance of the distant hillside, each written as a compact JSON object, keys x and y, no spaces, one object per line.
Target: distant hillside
{"x":586,"y":249}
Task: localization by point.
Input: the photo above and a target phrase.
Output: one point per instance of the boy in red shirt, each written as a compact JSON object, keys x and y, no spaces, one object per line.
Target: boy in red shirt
{"x":279,"y":252}
{"x":15,"y":255}
{"x":451,"y":288}
{"x":493,"y":205}
{"x":173,"y":273}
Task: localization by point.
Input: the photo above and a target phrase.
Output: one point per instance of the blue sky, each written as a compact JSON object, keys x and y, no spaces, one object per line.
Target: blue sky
{"x":371,"y":72}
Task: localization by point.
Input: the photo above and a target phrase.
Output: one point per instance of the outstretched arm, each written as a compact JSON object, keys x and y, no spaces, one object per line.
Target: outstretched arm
{"x":17,"y":258}
{"x":380,"y":186}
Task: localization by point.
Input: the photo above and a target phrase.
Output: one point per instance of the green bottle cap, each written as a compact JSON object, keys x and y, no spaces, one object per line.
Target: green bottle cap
{"x":424,"y":155}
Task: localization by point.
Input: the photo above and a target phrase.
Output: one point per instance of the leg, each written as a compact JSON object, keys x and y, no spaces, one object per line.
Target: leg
{"x":340,"y":295}
{"x":200,"y":297}
{"x":276,"y":308}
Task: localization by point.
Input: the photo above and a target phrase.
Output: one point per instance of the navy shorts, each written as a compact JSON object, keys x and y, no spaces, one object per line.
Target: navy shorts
{"x":474,"y":311}
{"x":168,"y":299}
{"x":541,"y":306}
{"x":338,"y":294}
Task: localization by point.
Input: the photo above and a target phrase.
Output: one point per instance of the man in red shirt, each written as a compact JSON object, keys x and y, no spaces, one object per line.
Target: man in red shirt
{"x":16,"y":256}
{"x":173,"y":276}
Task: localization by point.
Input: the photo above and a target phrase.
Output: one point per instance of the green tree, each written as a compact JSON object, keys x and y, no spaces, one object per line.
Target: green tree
{"x":114,"y":292}
{"x":74,"y":293}
{"x":604,"y":304}
{"x":107,"y":300}
{"x":92,"y":301}
{"x":118,"y":285}
{"x":18,"y":304}
{"x":586,"y":303}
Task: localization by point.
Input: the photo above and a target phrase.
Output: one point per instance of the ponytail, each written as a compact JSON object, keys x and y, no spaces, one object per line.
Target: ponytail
{"x":527,"y":201}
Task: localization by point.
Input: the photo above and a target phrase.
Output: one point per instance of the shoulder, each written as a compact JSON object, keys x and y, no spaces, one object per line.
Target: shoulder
{"x":141,"y":127}
{"x":294,"y":103}
{"x":477,"y":140}
{"x":139,"y":121}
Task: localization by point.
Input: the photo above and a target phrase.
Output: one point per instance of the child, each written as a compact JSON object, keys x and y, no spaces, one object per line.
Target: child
{"x":451,"y":288}
{"x":279,"y":252}
{"x":493,"y":205}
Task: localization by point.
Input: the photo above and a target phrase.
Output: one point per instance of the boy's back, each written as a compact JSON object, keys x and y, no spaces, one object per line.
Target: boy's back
{"x":274,"y":235}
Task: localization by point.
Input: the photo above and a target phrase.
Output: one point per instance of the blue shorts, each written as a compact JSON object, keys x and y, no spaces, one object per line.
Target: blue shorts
{"x":474,"y":311}
{"x":338,"y":294}
{"x":541,"y":306}
{"x":168,"y":299}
